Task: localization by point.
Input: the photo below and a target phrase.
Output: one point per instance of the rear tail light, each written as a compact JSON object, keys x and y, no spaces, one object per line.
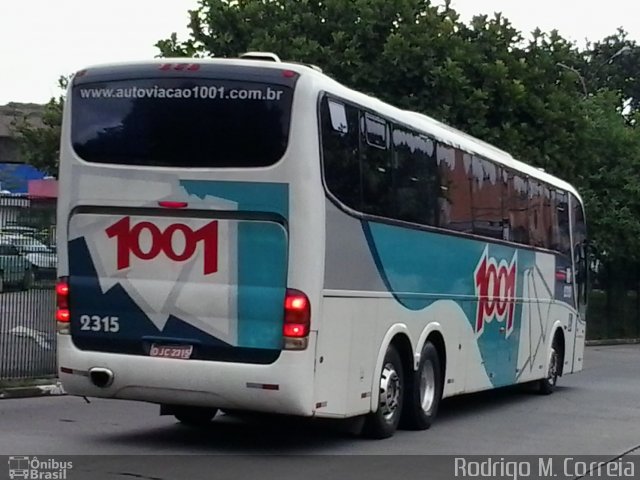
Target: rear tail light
{"x":297,"y":320}
{"x":62,"y":303}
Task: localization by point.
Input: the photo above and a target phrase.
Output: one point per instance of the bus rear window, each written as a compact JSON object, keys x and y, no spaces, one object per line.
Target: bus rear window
{"x":198,"y":123}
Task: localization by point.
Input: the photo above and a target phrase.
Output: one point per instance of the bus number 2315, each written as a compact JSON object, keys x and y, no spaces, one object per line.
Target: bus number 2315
{"x":96,"y":323}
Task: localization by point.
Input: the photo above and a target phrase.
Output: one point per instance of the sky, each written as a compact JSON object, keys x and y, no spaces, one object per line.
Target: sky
{"x":43,"y":39}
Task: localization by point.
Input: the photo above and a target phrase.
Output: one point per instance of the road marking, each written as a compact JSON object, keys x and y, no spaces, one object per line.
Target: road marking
{"x":38,"y":336}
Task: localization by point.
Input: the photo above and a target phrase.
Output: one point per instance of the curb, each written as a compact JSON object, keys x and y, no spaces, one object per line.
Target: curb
{"x":613,"y":341}
{"x":53,"y":389}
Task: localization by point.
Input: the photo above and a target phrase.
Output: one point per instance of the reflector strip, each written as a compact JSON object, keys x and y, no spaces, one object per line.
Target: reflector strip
{"x":71,"y":371}
{"x":167,"y":204}
{"x":263,"y":386}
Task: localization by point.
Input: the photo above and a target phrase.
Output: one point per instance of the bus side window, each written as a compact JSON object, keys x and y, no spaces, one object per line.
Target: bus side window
{"x":338,"y":116}
{"x":561,"y":238}
{"x":517,"y":208}
{"x":340,"y":152}
{"x":455,"y":190}
{"x":487,"y":190}
{"x":415,"y":177}
{"x":376,"y":166}
{"x":539,"y":214}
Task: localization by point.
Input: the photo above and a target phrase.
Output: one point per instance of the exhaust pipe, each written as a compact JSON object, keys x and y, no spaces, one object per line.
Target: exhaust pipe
{"x":101,"y":377}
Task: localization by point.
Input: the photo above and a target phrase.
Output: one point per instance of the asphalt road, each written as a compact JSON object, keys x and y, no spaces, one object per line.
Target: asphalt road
{"x":595,"y":412}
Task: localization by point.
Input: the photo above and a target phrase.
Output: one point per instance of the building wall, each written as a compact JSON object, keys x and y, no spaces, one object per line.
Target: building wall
{"x":9,"y":151}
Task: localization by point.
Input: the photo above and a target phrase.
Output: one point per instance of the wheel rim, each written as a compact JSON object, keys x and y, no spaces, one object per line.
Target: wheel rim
{"x":427,"y":385}
{"x":390,"y":388}
{"x":552,"y":376}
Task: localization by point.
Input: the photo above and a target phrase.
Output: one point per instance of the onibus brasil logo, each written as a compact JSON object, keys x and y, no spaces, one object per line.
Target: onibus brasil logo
{"x":32,"y":468}
{"x":495,"y":288}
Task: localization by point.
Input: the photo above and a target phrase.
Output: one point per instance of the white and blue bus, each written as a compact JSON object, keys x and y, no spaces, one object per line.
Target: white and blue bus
{"x":248,"y":234}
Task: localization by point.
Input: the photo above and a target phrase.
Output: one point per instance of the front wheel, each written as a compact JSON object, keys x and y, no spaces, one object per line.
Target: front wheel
{"x":424,"y":391}
{"x":194,"y":416}
{"x":384,"y":421}
{"x":547,"y":385}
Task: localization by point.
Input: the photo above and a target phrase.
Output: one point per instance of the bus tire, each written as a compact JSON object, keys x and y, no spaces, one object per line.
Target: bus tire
{"x":547,"y":385}
{"x":384,"y":421}
{"x":424,"y":391}
{"x":194,"y":416}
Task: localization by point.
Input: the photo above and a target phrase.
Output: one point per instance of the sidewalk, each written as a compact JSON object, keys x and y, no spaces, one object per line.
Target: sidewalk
{"x":35,"y":388}
{"x":612,"y":341}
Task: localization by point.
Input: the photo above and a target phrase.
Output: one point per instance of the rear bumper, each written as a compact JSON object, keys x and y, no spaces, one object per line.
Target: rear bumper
{"x":194,"y":382}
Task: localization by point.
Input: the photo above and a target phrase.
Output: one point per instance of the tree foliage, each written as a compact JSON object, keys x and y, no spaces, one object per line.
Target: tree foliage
{"x":40,"y":144}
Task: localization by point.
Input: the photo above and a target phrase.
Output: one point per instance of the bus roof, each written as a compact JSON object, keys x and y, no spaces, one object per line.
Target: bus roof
{"x":428,"y":125}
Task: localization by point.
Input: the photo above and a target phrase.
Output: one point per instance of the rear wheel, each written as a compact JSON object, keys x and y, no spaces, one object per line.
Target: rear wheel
{"x":194,"y":416}
{"x":384,"y":421}
{"x":424,"y":391}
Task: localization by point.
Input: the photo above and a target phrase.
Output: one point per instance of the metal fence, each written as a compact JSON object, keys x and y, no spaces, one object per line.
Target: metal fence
{"x":28,"y":264}
{"x":613,"y":314}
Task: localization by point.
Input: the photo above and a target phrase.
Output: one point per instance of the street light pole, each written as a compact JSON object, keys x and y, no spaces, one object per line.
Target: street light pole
{"x":574,"y":70}
{"x":622,"y":51}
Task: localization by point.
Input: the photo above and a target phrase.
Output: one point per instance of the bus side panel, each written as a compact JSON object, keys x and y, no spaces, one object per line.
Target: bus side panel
{"x":344,"y":357}
{"x":422,"y":268}
{"x":545,"y":303}
{"x":497,"y":302}
{"x":359,"y":304}
{"x":580,"y":337}
{"x":347,"y":347}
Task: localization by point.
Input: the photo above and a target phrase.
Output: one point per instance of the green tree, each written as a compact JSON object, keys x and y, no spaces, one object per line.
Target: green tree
{"x":40,"y":144}
{"x":610,"y":179}
{"x":614,"y":64}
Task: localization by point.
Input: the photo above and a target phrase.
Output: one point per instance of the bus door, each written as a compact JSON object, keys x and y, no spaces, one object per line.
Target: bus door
{"x":581,"y":279}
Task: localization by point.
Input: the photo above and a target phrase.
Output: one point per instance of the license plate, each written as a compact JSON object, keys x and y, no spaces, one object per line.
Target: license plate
{"x":182,"y":352}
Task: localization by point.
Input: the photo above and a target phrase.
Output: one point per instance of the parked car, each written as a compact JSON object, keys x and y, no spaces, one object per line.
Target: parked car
{"x":22,"y":230}
{"x":15,"y":268}
{"x":19,"y":230}
{"x":43,"y":259}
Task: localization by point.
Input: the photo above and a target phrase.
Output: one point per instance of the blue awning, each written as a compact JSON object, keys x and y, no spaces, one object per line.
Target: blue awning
{"x":14,"y":177}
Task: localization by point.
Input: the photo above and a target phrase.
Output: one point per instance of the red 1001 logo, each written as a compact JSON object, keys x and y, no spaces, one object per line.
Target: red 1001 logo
{"x":495,"y":286}
{"x":128,"y":242}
